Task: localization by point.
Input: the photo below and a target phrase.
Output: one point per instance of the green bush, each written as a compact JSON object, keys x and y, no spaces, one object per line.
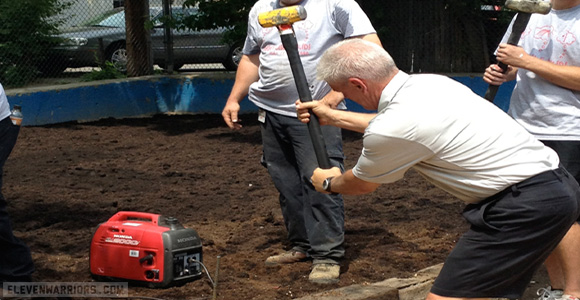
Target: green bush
{"x":26,"y":35}
{"x":232,"y":14}
{"x":108,"y":71}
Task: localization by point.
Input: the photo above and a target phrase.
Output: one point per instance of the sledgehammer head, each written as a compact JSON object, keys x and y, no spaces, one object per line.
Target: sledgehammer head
{"x":282,"y":16}
{"x":529,"y":6}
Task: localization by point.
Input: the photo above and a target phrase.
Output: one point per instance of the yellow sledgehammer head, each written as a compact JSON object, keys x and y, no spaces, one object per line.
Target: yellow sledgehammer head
{"x":282,"y":16}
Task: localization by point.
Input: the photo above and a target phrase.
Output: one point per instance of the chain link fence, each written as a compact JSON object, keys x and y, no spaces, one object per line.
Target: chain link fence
{"x":441,"y":36}
{"x":445,"y":36}
{"x":91,"y":35}
{"x":95,"y":32}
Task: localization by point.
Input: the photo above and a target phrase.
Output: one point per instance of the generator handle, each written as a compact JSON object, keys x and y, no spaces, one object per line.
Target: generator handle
{"x":138,"y":216}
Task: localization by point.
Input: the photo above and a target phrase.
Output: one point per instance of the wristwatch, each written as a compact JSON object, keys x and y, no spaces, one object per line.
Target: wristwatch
{"x":326,"y":185}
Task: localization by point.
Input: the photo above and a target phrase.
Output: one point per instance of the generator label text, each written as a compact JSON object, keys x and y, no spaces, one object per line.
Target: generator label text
{"x":187,"y":239}
{"x":121,"y":241}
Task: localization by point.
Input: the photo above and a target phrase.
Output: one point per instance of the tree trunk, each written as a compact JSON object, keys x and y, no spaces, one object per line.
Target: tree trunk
{"x":139,"y":57}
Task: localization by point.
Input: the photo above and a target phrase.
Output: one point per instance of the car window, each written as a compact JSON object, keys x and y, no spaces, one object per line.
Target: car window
{"x":177,"y":12}
{"x":98,"y":19}
{"x":116,"y":20}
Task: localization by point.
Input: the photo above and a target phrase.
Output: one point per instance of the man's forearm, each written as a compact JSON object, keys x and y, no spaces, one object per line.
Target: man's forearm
{"x":333,"y":98}
{"x":564,"y":76}
{"x":351,"y":120}
{"x":348,"y":184}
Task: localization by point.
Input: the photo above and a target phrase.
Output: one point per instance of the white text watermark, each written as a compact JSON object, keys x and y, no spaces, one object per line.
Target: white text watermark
{"x":65,"y":289}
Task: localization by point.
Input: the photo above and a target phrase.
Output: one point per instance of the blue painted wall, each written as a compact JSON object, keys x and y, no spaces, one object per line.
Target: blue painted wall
{"x":146,"y":96}
{"x":478,"y":86}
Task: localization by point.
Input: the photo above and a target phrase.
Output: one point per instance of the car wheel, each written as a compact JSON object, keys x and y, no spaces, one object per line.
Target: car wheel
{"x":234,"y":56}
{"x":118,"y":57}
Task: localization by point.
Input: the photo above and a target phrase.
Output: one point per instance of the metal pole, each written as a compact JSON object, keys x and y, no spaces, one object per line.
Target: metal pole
{"x":291,"y":45}
{"x":215,"y":282}
{"x":168,"y":37}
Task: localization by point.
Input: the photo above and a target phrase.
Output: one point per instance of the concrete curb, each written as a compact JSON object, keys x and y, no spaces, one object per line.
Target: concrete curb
{"x":413,"y":288}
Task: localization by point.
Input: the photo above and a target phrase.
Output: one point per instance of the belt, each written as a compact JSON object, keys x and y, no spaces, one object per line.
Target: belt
{"x":542,"y":177}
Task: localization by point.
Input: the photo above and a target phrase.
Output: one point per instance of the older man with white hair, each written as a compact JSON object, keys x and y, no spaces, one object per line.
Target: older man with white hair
{"x":520,"y":202}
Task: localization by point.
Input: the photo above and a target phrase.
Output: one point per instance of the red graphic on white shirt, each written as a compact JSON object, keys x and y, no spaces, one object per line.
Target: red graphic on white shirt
{"x":304,"y":44}
{"x":544,"y":34}
{"x":566,"y":39}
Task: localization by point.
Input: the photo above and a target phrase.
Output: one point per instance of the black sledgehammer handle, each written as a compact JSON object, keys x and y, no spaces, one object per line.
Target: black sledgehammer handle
{"x":517,"y":29}
{"x":291,"y":45}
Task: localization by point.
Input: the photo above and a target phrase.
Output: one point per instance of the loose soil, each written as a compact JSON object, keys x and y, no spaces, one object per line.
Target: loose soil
{"x":63,"y":180}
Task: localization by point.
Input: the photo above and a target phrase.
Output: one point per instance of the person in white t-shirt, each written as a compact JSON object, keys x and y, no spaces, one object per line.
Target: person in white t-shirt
{"x":520,"y":203}
{"x":314,"y":221}
{"x":546,"y":98}
{"x":15,"y":260}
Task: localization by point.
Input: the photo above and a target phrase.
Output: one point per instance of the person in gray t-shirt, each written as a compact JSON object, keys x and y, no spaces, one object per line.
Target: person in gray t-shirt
{"x":314,"y":221}
{"x":546,"y":98}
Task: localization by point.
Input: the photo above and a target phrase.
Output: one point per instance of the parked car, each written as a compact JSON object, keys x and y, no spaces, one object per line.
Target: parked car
{"x":82,"y":44}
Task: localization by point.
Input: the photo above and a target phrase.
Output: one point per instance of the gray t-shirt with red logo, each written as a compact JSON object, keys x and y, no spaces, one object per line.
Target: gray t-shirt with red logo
{"x":327,"y":22}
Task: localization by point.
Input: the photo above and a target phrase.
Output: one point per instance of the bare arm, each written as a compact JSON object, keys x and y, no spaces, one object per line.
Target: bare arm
{"x":372,"y":38}
{"x":340,"y":118}
{"x":246,"y":75}
{"x":333,"y":98}
{"x":346,"y":184}
{"x":564,"y":76}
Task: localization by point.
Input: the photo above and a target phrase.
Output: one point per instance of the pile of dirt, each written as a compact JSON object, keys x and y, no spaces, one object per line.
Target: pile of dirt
{"x":63,"y":180}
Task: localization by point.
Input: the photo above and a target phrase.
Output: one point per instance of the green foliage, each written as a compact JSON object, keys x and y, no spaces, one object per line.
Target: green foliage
{"x":108,"y":71}
{"x":26,"y":34}
{"x":17,"y":75}
{"x":232,"y":14}
{"x":385,"y":15}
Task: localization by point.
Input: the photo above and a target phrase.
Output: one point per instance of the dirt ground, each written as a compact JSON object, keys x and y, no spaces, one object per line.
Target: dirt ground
{"x":63,"y":180}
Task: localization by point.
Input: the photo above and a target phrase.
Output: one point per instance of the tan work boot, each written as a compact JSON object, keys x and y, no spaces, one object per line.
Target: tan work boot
{"x":288,"y":257}
{"x":324,"y":273}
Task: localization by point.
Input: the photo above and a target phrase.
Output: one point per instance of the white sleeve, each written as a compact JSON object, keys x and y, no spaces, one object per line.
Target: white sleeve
{"x":386,"y":159}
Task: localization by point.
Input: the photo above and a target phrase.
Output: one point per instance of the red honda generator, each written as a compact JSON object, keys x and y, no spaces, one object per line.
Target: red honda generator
{"x":145,"y":248}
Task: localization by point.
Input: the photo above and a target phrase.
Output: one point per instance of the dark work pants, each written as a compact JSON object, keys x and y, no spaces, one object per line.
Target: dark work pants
{"x":315,"y":221}
{"x":15,"y":259}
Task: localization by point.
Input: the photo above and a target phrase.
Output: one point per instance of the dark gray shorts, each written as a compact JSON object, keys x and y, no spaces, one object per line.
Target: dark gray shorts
{"x":511,"y":235}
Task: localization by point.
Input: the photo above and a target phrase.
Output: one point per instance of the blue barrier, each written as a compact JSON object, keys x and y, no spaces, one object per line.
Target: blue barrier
{"x":150,"y":95}
{"x":478,"y":86}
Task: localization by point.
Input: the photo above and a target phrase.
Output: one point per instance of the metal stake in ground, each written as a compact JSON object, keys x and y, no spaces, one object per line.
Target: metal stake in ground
{"x":524,"y":8}
{"x":283,"y":19}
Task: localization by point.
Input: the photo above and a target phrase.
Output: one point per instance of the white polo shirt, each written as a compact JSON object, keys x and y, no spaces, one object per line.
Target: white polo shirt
{"x":457,"y":140}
